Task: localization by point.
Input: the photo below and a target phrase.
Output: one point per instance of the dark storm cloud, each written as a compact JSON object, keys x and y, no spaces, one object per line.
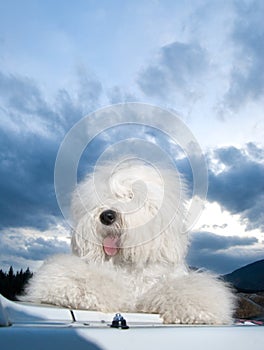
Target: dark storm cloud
{"x":30,"y":134}
{"x":223,"y":262}
{"x":40,"y":249}
{"x":222,"y":254}
{"x":22,"y":99}
{"x":247,"y":75}
{"x":207,"y":241}
{"x":176,"y":70}
{"x":239,"y":188}
{"x":30,"y":247}
{"x":26,"y":187}
{"x":22,"y":94}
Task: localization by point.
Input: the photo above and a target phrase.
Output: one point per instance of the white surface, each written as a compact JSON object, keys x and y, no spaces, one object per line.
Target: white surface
{"x":52,"y":328}
{"x":87,"y":316}
{"x":22,"y":313}
{"x":16,"y":312}
{"x":181,"y":338}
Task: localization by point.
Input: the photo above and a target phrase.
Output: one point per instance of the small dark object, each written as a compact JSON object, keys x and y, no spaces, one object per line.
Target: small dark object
{"x":119,"y":322}
{"x":108,"y":217}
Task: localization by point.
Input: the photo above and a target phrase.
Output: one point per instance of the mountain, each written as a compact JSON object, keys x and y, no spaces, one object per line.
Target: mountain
{"x":249,"y":278}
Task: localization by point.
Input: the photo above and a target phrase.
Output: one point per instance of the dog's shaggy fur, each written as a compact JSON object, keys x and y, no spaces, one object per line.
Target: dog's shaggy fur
{"x":134,"y":259}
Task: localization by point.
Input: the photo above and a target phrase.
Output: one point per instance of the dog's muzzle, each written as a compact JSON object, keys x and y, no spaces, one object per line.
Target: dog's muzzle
{"x":108,"y":217}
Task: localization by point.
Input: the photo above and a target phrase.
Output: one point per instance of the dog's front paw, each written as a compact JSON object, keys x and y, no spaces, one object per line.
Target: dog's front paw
{"x":179,"y":309}
{"x":193,"y":316}
{"x":196,"y":298}
{"x":68,"y":281}
{"x":175,"y":310}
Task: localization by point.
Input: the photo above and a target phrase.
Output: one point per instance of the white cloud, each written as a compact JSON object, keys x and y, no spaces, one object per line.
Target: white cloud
{"x":221,"y":222}
{"x":22,"y":247}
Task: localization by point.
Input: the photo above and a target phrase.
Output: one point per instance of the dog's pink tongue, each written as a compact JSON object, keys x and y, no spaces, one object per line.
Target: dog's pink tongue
{"x":110,"y":245}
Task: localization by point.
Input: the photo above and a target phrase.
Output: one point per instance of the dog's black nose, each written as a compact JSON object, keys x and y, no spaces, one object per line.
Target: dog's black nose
{"x":108,"y":217}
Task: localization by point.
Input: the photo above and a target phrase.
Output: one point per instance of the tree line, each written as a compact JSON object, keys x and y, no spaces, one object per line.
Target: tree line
{"x":12,"y":284}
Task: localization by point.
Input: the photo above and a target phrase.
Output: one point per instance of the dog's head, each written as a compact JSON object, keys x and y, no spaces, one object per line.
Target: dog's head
{"x":133,"y":214}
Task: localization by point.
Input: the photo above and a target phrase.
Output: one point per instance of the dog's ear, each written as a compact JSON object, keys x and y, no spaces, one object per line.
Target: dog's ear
{"x":80,"y":241}
{"x":75,"y":244}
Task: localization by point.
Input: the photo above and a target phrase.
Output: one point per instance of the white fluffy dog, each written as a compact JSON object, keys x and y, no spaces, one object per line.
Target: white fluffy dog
{"x":129,"y":250}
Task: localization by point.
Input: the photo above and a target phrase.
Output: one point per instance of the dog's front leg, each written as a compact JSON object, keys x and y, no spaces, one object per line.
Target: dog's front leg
{"x":196,"y":298}
{"x":69,"y":281}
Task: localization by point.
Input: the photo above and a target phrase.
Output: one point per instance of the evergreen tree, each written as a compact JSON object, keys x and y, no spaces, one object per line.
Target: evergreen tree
{"x":11,"y":273}
{"x":11,"y":284}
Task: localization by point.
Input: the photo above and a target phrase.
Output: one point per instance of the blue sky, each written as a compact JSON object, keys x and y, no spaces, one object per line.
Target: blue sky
{"x":60,"y":61}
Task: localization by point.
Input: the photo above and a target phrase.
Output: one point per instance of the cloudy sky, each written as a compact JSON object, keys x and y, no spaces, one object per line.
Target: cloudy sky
{"x":61,"y":60}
